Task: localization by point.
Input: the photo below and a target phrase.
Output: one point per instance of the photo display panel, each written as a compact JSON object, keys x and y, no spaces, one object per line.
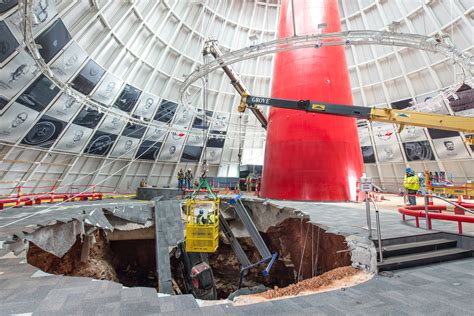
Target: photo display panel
{"x":88,"y":77}
{"x":196,"y":137}
{"x":184,"y":116}
{"x":439,"y":133}
{"x":220,"y":121}
{"x":88,"y":117}
{"x":364,"y":134}
{"x":43,"y":12}
{"x":213,"y":155}
{"x":112,"y":124}
{"x":15,"y":122}
{"x":6,"y":5}
{"x":74,"y":138}
{"x":100,"y":144}
{"x":216,"y":139}
{"x":146,"y":106}
{"x":52,"y":40}
{"x":148,"y":150}
{"x":450,"y":148}
{"x":166,"y":111}
{"x":412,"y":134}
{"x":202,"y":122}
{"x":418,"y":151}
{"x":108,"y":89}
{"x":368,"y":154}
{"x":386,"y":143}
{"x":172,"y":147}
{"x":134,"y":130}
{"x":16,"y":74}
{"x":191,"y":153}
{"x":402,"y":104}
{"x":39,"y":94}
{"x":156,"y":133}
{"x":45,"y":132}
{"x":8,"y":43}
{"x":464,"y":104}
{"x":66,"y":65}
{"x":64,"y":108}
{"x":125,"y":147}
{"x":127,"y":98}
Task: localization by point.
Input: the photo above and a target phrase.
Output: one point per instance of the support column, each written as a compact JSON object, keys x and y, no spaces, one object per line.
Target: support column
{"x":310,"y":156}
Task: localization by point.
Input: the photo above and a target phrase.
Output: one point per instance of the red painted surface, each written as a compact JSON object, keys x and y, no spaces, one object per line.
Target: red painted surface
{"x":418,"y":213}
{"x":310,"y":156}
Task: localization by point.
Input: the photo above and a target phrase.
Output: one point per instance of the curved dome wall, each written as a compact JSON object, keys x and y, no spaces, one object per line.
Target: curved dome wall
{"x":401,"y":76}
{"x":131,"y":55}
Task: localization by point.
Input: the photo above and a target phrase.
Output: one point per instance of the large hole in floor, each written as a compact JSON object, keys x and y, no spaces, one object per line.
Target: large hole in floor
{"x":305,"y":250}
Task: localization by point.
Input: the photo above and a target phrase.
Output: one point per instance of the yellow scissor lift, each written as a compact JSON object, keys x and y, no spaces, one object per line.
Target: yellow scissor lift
{"x":202,"y":235}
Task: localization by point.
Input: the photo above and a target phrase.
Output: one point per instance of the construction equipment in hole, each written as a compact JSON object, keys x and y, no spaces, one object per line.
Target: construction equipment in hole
{"x":203,"y":220}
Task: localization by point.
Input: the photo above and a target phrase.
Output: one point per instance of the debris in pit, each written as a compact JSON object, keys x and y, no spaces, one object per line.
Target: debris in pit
{"x":96,"y":266}
{"x":336,"y":278}
{"x":248,"y":291}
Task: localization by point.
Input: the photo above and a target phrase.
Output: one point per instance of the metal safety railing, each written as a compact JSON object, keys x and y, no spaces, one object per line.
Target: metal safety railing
{"x":369,"y":200}
{"x":426,"y":201}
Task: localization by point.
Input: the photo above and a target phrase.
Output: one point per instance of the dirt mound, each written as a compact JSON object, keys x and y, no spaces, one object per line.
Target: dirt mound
{"x":311,"y":284}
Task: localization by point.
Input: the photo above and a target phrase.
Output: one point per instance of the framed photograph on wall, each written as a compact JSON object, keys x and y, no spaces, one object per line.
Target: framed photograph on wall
{"x":191,"y":153}
{"x":100,"y":144}
{"x":147,"y":104}
{"x":39,"y":94}
{"x":451,"y":148}
{"x":368,"y":154}
{"x":127,"y":98}
{"x":8,"y":42}
{"x":88,"y":117}
{"x":88,"y":77}
{"x":112,"y":124}
{"x":172,"y":147}
{"x":213,"y":155}
{"x":418,"y":151}
{"x":125,"y":147}
{"x":108,"y":89}
{"x":70,"y":60}
{"x":74,"y":138}
{"x":64,"y":107}
{"x":6,"y":5}
{"x":45,"y":132}
{"x":16,"y":120}
{"x":52,"y":40}
{"x":15,"y":75}
{"x":148,"y":150}
{"x":166,"y":111}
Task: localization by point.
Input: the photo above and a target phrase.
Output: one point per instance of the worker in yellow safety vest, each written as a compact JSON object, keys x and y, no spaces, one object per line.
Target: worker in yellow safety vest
{"x":248,"y":182}
{"x":200,"y":218}
{"x":411,"y":185}
{"x":211,"y":218}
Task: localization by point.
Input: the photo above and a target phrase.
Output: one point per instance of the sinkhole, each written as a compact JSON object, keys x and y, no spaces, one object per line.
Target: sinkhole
{"x":305,"y":251}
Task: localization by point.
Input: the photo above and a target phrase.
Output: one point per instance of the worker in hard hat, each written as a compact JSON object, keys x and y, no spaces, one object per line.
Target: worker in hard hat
{"x":411,"y":185}
{"x":180,"y":178}
{"x":248,"y":182}
{"x":187,"y":178}
{"x":211,"y":218}
{"x":200,"y":218}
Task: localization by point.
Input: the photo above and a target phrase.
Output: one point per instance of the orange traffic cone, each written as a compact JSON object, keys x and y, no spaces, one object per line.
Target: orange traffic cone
{"x":227,"y":190}
{"x":460,"y":199}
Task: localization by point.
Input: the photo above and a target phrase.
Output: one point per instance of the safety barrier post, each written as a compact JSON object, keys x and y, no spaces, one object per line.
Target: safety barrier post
{"x":428,"y":223}
{"x":51,"y":195}
{"x":18,"y":197}
{"x":93,"y":192}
